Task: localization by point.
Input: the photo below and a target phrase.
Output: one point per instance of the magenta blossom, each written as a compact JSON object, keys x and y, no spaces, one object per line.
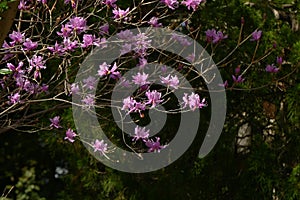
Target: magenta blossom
{"x":132,"y":105}
{"x":89,"y":82}
{"x":7,"y":55}
{"x":57,"y":49}
{"x":17,"y":37}
{"x":74,"y":88}
{"x":29,"y":45}
{"x":172,"y":81}
{"x":17,"y":70}
{"x":172,"y":4}
{"x":193,"y":101}
{"x":154,"y":146}
{"x":237,"y":70}
{"x":100,"y":146}
{"x":70,"y":45}
{"x":65,"y":31}
{"x":154,"y":98}
{"x":140,"y":79}
{"x":104,"y":70}
{"x":89,"y":100}
{"x":279,"y":60}
{"x":256,"y":35}
{"x":89,"y":40}
{"x":14,"y":98}
{"x":129,"y":104}
{"x":181,"y":39}
{"x":154,"y":22}
{"x":272,"y":68}
{"x":55,"y":122}
{"x":126,"y":35}
{"x":238,"y":79}
{"x":191,"y":57}
{"x":78,"y":24}
{"x":104,"y":29}
{"x":192,"y":4}
{"x":73,"y":3}
{"x":140,"y":133}
{"x":142,"y":63}
{"x":70,"y":135}
{"x":24,"y":5}
{"x":125,"y":83}
{"x":42,"y":1}
{"x":225,"y":84}
{"x":214,"y":36}
{"x":121,"y":14}
{"x":110,"y":3}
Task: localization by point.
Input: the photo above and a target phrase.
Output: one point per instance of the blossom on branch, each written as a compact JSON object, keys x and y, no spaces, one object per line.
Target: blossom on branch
{"x":70,"y":135}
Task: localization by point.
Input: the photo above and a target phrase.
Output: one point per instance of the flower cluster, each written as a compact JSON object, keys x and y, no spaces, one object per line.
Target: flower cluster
{"x":70,"y":134}
{"x":143,"y":135}
{"x":30,"y":59}
{"x":212,"y":36}
{"x":193,"y":101}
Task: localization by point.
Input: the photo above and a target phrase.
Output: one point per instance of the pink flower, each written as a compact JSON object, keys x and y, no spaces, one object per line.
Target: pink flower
{"x":272,"y":69}
{"x":193,"y":101}
{"x":256,"y":35}
{"x":43,"y":1}
{"x":55,"y":122}
{"x":89,"y":82}
{"x":140,"y":79}
{"x":125,"y":35}
{"x":172,"y":4}
{"x":154,"y":98}
{"x":279,"y":60}
{"x":89,"y":40}
{"x":57,"y":49}
{"x":154,"y":22}
{"x":120,"y":14}
{"x":100,"y":146}
{"x":214,"y":36}
{"x":89,"y":100}
{"x":191,"y":57}
{"x":65,"y":30}
{"x":238,"y":79}
{"x":70,"y":45}
{"x":225,"y":84}
{"x":14,"y":98}
{"x":172,"y":82}
{"x":17,"y":37}
{"x":78,"y":24}
{"x":128,"y":104}
{"x":74,"y":88}
{"x":104,"y":29}
{"x":181,"y":39}
{"x":140,"y":133}
{"x":154,"y":146}
{"x":192,"y":4}
{"x":24,"y":5}
{"x":132,"y":105}
{"x":70,"y":134}
{"x":142,"y":63}
{"x":17,"y":70}
{"x":29,"y":45}
{"x":104,"y":70}
{"x":110,"y":3}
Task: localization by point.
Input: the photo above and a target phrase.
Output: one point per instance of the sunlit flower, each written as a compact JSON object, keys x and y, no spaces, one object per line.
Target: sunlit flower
{"x":70,"y":135}
{"x":154,"y":146}
{"x":55,"y":122}
{"x":100,"y":146}
{"x":140,"y":133}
